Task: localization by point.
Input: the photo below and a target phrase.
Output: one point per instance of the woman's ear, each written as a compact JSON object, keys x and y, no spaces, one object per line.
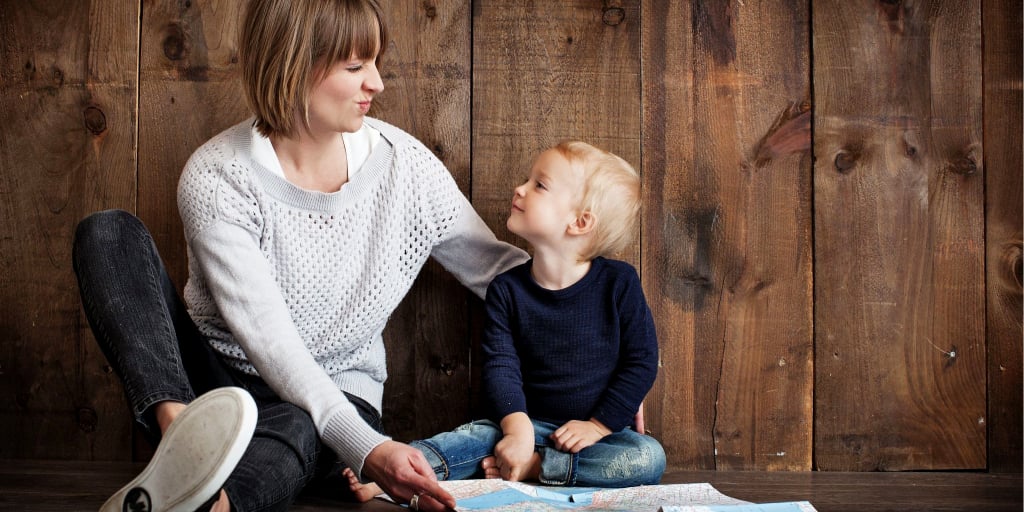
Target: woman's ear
{"x":583,"y":224}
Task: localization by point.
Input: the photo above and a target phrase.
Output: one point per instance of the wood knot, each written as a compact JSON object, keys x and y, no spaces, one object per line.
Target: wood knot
{"x":174,"y":44}
{"x":95,"y":120}
{"x":613,"y":16}
{"x":87,"y":419}
{"x":430,"y":9}
{"x":438,"y":150}
{"x":447,"y":368}
{"x":965,"y":166}
{"x":845,"y":161}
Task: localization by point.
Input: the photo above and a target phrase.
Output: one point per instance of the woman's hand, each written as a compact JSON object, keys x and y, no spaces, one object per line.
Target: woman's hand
{"x":577,"y":435}
{"x":402,"y":472}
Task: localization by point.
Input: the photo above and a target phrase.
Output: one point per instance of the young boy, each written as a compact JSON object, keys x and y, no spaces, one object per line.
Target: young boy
{"x":569,"y":348}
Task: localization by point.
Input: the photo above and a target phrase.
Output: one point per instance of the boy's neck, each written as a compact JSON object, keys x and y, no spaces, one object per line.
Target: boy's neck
{"x":557,"y":271}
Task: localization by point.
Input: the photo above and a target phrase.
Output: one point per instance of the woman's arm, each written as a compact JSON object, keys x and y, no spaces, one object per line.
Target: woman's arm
{"x":241,"y":282}
{"x":472,"y":253}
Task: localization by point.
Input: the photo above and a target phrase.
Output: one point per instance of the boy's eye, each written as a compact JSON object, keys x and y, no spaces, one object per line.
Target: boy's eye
{"x":541,"y":186}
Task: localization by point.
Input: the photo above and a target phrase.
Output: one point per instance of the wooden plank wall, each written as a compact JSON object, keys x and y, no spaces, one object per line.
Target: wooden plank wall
{"x":899,"y":236}
{"x":830,"y":242}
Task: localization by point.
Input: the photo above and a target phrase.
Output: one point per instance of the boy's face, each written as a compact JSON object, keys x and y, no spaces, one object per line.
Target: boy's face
{"x":545,"y":206}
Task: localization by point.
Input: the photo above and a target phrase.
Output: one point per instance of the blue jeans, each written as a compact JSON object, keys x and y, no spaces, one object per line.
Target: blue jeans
{"x":621,"y":459}
{"x":157,"y":352}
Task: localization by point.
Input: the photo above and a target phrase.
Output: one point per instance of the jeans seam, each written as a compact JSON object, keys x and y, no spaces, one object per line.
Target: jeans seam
{"x":441,"y":457}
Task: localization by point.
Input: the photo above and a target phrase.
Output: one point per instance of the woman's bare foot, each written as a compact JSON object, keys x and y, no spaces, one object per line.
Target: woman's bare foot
{"x":222,"y":504}
{"x":532,"y":472}
{"x":363,"y":492}
{"x":165,"y":412}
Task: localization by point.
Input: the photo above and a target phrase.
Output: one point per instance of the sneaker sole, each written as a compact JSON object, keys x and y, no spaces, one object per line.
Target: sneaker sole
{"x":195,"y":457}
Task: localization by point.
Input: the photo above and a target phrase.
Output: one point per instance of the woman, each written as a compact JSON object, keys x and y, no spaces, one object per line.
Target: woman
{"x":306,"y":226}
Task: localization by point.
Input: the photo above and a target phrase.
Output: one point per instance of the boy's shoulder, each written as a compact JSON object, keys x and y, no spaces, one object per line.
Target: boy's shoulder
{"x":615,"y":267}
{"x":516,"y":273}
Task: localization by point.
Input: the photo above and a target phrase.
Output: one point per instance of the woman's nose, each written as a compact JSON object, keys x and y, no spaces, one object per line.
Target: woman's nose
{"x":373,"y":81}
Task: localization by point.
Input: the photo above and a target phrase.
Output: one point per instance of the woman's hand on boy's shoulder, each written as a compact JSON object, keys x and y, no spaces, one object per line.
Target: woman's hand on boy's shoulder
{"x":576,"y":435}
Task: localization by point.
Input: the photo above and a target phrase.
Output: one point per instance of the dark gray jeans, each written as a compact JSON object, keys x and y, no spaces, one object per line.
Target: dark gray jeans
{"x":156,"y":350}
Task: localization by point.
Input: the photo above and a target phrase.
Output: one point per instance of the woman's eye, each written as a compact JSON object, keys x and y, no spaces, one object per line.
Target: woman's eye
{"x":355,"y":68}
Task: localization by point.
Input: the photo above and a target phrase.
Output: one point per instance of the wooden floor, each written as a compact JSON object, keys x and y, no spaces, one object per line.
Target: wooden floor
{"x":69,"y":486}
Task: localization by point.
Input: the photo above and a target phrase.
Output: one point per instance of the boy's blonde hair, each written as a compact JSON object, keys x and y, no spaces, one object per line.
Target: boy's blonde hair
{"x":286,"y":47}
{"x":611,"y":193}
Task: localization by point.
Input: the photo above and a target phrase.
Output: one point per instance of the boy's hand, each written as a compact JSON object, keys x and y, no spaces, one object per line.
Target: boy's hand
{"x":577,"y":435}
{"x":514,"y":454}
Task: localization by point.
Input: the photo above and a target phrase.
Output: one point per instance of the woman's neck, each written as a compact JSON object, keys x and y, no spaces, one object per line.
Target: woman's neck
{"x":554,"y":270}
{"x":313,"y":163}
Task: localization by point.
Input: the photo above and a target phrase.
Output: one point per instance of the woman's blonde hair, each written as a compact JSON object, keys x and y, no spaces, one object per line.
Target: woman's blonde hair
{"x":611,"y":193}
{"x":288,"y":46}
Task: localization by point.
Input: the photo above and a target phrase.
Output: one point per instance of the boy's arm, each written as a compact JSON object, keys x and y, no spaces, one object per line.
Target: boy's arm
{"x":515,"y":450}
{"x":638,"y":360}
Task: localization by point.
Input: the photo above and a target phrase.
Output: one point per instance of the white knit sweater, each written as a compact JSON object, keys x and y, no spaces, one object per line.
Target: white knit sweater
{"x":298,"y":285}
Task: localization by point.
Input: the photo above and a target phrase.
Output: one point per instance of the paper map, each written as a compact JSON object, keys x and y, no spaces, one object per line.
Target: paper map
{"x":493,"y":495}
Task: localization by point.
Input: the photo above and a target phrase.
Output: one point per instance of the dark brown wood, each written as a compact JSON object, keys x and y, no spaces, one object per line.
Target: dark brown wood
{"x":1003,"y":219}
{"x":553,"y":71}
{"x":426,"y":74}
{"x":67,"y":107}
{"x":917,"y":238}
{"x":726,"y":256}
{"x":37,"y":486}
{"x":899,"y":227}
{"x":189,"y":91}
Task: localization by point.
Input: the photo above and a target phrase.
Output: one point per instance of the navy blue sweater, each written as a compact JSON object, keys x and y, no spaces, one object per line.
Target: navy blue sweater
{"x":586,"y":351}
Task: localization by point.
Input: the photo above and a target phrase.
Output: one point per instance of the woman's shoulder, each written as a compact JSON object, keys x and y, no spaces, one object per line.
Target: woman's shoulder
{"x":224,"y":146}
{"x":406,"y":146}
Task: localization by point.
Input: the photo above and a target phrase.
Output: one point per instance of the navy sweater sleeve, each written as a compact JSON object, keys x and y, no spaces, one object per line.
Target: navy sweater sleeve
{"x":638,"y":357}
{"x":502,"y":377}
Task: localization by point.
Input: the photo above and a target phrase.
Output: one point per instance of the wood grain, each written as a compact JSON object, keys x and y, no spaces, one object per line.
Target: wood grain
{"x":189,"y":91}
{"x":67,"y":105}
{"x":899,"y":236}
{"x":1003,"y":168}
{"x":544,"y":72}
{"x":726,"y":252}
{"x":426,"y":74}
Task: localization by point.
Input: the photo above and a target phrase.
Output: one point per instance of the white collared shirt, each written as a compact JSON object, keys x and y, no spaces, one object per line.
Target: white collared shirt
{"x":358,"y":146}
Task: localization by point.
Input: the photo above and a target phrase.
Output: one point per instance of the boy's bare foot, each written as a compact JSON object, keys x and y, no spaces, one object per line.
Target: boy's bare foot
{"x":490,"y":467}
{"x":531,"y":473}
{"x":363,"y":492}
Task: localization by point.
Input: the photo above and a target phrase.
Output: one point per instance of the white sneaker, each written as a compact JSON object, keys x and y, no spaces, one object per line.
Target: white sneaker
{"x":193,"y":460}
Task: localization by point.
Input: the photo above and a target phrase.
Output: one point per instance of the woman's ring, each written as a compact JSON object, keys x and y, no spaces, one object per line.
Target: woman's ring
{"x":414,"y":502}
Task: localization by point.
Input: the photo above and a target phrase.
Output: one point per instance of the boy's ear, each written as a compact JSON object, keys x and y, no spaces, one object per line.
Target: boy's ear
{"x":583,"y":224}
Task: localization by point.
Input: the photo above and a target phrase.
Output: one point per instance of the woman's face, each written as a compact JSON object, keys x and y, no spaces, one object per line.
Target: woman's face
{"x":340,"y":101}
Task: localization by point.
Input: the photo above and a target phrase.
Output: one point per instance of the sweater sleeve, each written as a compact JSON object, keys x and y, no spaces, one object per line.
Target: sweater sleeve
{"x":472,"y":253}
{"x":502,"y":372}
{"x":223,"y":239}
{"x":464,"y":246}
{"x":638,"y":358}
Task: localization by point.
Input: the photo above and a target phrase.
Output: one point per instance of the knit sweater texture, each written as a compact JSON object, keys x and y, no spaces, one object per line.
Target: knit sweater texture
{"x":296,"y":286}
{"x":585,"y":351}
